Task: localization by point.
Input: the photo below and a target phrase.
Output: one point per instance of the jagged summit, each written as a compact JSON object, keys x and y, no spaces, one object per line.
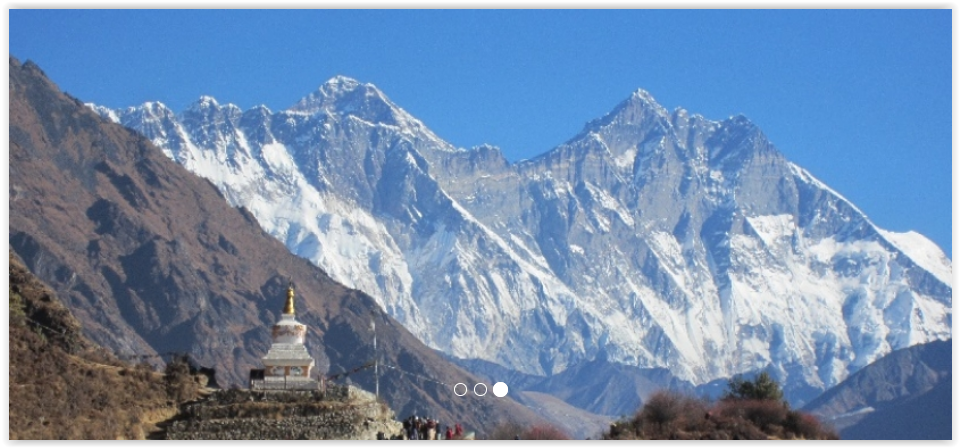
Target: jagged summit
{"x":643,"y":95}
{"x":340,"y":83}
{"x":343,"y":94}
{"x":261,"y":108}
{"x":149,"y":109}
{"x":643,"y":99}
{"x":345,"y":98}
{"x":639,"y":109}
{"x":206,"y":105}
{"x":206,"y":101}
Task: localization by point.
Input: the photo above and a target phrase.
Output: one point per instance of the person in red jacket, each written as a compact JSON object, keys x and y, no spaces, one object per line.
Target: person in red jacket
{"x":449,"y":434}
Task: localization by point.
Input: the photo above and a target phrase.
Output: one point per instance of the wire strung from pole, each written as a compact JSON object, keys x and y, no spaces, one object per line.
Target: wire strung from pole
{"x":425,"y":378}
{"x":350,"y":372}
{"x":63,"y":332}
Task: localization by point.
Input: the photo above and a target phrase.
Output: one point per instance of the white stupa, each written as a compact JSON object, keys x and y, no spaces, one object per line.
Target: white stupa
{"x":288,"y":364}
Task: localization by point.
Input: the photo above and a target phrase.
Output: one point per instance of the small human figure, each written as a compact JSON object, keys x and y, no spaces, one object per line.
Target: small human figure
{"x":431,"y":429}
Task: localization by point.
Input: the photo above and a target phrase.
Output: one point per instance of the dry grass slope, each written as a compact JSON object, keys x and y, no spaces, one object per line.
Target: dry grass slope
{"x":64,"y":387}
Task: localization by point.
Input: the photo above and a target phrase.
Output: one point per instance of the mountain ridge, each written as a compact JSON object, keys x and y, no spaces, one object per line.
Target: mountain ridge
{"x":911,"y":384}
{"x":653,"y":237}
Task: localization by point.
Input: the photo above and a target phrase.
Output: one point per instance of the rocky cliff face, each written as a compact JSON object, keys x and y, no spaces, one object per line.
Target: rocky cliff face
{"x":654,"y":239}
{"x":151,"y":259}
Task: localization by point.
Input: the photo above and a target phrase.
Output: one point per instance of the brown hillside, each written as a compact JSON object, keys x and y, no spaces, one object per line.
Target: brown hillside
{"x":151,"y":259}
{"x":62,"y":386}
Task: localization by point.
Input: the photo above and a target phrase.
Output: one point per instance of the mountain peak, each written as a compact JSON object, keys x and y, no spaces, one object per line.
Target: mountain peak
{"x":209,"y":106}
{"x":341,"y":82}
{"x":338,"y":87}
{"x":262,"y":108}
{"x":347,"y":97}
{"x":643,"y":95}
{"x":104,"y":112}
{"x":203,"y":103}
{"x":154,"y":109}
{"x":343,"y":94}
{"x":740,"y":120}
{"x":641,"y":99}
{"x":640,"y":107}
{"x":154,"y":105}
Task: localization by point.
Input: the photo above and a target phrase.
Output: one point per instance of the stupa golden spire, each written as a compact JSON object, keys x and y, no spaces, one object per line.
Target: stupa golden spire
{"x":287,"y":364}
{"x":288,"y":307}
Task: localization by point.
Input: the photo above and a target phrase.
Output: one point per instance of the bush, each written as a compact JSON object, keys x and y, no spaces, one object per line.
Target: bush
{"x":800,"y":425}
{"x":662,"y":408}
{"x":666,"y":415}
{"x":179,"y":380}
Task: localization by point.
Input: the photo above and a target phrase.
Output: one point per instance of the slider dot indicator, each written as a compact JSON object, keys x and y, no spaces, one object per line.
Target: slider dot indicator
{"x":500,"y":389}
{"x":476,"y":392}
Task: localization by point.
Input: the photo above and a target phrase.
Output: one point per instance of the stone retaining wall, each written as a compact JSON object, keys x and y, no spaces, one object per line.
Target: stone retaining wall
{"x":342,"y":412}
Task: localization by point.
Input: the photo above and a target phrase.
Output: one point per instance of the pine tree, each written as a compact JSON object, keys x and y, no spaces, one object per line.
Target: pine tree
{"x":763,"y":387}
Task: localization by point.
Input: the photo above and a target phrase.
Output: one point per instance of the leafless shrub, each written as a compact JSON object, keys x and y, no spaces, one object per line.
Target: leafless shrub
{"x":801,"y":425}
{"x":762,"y":413}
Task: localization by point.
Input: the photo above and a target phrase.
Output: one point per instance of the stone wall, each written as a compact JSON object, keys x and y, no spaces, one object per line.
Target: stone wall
{"x":343,"y":413}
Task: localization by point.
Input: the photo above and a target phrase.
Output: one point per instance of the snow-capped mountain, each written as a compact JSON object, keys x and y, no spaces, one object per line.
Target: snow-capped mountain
{"x":652,"y":238}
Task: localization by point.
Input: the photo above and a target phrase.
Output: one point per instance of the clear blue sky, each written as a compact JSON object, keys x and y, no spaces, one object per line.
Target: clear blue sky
{"x":862,"y":99}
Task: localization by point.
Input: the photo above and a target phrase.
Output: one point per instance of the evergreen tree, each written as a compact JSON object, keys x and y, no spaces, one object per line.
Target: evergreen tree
{"x":763,"y":387}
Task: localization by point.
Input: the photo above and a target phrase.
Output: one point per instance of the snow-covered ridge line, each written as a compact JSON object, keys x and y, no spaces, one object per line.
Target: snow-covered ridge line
{"x":923,"y":252}
{"x":912,"y":244}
